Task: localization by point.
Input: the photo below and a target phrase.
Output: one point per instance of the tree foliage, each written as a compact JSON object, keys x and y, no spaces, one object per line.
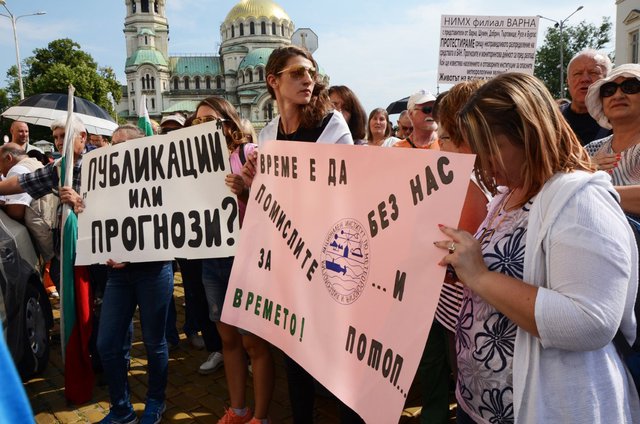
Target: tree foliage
{"x":574,"y":39}
{"x":52,"y":69}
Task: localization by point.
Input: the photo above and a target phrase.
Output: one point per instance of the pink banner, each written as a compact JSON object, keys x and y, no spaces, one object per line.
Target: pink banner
{"x":336,"y":264}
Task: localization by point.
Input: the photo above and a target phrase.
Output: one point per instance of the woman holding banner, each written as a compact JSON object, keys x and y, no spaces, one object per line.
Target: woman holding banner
{"x":236,"y":343}
{"x":305,"y":115}
{"x":551,"y":275}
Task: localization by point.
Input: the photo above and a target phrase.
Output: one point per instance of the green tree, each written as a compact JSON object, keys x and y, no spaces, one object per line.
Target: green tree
{"x":574,"y":39}
{"x":52,"y":69}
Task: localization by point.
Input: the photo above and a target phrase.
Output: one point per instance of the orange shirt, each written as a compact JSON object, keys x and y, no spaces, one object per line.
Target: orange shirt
{"x":405,"y":143}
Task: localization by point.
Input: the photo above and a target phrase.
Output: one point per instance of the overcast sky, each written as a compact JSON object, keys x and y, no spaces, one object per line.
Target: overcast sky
{"x":382,"y":50}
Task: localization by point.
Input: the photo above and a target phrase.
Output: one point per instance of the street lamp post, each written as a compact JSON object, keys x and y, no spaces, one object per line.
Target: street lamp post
{"x":14,"y":19}
{"x":560,"y":26}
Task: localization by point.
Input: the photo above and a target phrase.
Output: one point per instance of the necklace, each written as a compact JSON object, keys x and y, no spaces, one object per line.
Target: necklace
{"x":490,"y":229}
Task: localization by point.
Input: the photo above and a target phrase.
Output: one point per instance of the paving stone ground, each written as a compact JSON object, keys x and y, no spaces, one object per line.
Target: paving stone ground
{"x":191,"y":397}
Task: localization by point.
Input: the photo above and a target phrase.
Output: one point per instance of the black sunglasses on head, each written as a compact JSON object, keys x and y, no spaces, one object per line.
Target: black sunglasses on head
{"x":628,"y":86}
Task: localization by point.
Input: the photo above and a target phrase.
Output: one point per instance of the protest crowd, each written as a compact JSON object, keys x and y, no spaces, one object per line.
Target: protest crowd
{"x":540,"y":291}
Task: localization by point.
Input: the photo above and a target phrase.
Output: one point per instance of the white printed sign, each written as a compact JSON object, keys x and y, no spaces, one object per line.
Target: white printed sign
{"x":481,"y":47}
{"x":158,"y":198}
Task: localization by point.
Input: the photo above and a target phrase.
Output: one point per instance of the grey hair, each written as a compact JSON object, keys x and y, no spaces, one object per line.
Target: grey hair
{"x":77,"y":126}
{"x":597,"y":55}
{"x":131,"y":131}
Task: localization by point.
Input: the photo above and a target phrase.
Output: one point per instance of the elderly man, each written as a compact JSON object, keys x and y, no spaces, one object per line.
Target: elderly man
{"x":584,"y":69}
{"x":405,"y":127}
{"x":14,"y":161}
{"x":425,"y":128}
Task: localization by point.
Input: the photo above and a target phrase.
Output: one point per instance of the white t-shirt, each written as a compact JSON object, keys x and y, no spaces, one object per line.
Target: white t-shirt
{"x":22,"y":198}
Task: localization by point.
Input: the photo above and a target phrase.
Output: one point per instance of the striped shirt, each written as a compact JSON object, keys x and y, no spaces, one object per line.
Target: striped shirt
{"x":628,"y":170}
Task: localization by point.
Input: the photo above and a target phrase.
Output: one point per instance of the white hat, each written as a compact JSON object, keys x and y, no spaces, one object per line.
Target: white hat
{"x":175,"y":118}
{"x":420,"y":97}
{"x":593,"y":99}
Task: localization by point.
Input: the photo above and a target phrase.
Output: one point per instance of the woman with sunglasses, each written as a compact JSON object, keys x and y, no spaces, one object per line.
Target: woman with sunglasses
{"x":379,"y":129}
{"x":614,"y":102}
{"x":305,"y":115}
{"x":303,"y":101}
{"x":236,"y":343}
{"x":346,"y":102}
{"x":550,"y":276}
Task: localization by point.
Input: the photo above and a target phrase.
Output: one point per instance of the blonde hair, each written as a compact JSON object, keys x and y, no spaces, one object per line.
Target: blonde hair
{"x":521,"y":108}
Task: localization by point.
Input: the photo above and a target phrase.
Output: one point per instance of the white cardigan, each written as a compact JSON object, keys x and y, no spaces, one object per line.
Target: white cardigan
{"x":336,"y":131}
{"x":572,"y":373}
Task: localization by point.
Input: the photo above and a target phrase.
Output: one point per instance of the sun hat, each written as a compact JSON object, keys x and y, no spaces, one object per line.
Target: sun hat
{"x":593,"y":99}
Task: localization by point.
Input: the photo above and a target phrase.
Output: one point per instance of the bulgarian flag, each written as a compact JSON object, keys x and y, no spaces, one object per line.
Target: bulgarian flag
{"x":144,"y":122}
{"x":75,"y":296}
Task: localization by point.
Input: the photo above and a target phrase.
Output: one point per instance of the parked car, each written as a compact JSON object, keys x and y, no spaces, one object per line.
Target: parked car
{"x":26,"y":313}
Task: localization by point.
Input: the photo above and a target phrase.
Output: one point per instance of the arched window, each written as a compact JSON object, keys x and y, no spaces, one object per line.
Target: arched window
{"x":197,"y":83}
{"x":208,"y":83}
{"x":153,"y":83}
{"x":146,"y":40}
{"x":186,"y":83}
{"x":260,"y":74}
{"x":148,"y":81}
{"x":144,"y":6}
{"x":250,"y":75}
{"x":268,"y":111}
{"x":153,"y":103}
{"x":218,"y":82}
{"x":273,"y":28}
{"x":282,"y":29}
{"x":133,"y":103}
{"x":241,"y":29}
{"x":242,"y":78}
{"x":233,"y":31}
{"x":252,"y":28}
{"x":133,"y":6}
{"x":176,"y":83}
{"x":263,"y":27}
{"x":142,"y":81}
{"x":155,"y":6}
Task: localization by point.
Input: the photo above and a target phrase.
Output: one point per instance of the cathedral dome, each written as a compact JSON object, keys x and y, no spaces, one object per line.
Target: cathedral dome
{"x":258,"y":57}
{"x":256,"y":9}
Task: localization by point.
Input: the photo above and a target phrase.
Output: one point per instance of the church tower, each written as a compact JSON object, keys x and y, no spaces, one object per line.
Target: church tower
{"x":146,"y":33}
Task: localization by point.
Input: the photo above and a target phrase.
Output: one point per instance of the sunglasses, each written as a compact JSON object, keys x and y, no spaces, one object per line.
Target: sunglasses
{"x":426,"y":109}
{"x":628,"y":86}
{"x":206,"y":118}
{"x":299,"y":71}
{"x":406,"y":129}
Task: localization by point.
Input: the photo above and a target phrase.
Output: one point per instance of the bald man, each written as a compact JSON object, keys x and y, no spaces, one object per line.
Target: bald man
{"x":20,"y":135}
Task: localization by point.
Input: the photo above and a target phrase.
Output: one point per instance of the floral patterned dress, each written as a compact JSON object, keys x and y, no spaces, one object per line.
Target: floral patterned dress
{"x":485,"y":338}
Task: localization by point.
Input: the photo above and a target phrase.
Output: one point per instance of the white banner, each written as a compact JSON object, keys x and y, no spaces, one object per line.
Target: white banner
{"x":158,"y":198}
{"x":481,"y":47}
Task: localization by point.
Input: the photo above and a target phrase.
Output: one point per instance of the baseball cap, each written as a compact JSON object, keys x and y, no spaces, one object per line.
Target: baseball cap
{"x":175,"y":118}
{"x":420,"y":97}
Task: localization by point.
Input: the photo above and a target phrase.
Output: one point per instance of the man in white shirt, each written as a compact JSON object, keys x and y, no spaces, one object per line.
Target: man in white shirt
{"x":15,"y":161}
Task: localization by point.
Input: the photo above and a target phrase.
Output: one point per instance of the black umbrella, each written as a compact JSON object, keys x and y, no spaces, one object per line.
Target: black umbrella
{"x":43,"y":109}
{"x":397,"y":106}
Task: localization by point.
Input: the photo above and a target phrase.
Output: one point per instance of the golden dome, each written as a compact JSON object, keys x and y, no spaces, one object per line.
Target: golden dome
{"x":256,"y":8}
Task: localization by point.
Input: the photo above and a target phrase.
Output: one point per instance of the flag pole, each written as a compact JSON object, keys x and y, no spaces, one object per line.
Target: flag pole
{"x":66,"y":179}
